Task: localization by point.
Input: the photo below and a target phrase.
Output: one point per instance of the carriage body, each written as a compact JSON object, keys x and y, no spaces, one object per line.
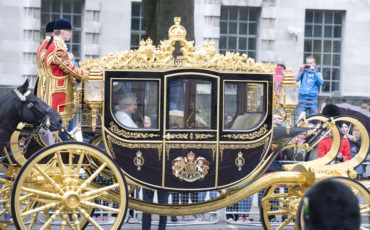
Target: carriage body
{"x":188,"y":145}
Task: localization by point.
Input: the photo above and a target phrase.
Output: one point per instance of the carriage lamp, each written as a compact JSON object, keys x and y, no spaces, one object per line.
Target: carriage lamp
{"x":289,"y":97}
{"x":93,"y":94}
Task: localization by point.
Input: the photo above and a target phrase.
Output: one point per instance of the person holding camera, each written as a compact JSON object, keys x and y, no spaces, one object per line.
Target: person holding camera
{"x":310,"y":81}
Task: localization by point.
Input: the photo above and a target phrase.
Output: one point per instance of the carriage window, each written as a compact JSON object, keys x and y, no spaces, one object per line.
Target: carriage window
{"x":244,"y":105}
{"x":135,"y":103}
{"x":189,"y":104}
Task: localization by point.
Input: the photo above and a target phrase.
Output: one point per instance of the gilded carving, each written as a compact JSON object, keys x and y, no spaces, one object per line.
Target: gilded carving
{"x":200,"y":136}
{"x":190,"y":168}
{"x":264,"y":142}
{"x":123,"y":133}
{"x":139,"y":160}
{"x":170,"y":146}
{"x":171,"y":136}
{"x":239,"y":161}
{"x":148,"y":56}
{"x":248,"y":136}
{"x":112,"y":140}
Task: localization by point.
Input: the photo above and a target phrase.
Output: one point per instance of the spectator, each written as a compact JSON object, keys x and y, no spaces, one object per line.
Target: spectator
{"x":147,"y":218}
{"x":278,"y":120}
{"x":326,"y":143}
{"x":310,"y":81}
{"x":278,"y":77}
{"x":127,"y":106}
{"x":330,"y":205}
{"x":355,"y":143}
{"x":365,"y":106}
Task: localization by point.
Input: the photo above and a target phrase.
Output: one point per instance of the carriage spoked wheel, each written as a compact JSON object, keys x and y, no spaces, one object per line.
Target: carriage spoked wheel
{"x":358,"y":189}
{"x":24,"y":144}
{"x":5,"y":192}
{"x":60,"y":184}
{"x":279,"y":205}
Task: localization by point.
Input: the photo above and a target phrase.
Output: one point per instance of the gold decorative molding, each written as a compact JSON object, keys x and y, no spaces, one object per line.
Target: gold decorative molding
{"x":148,"y":56}
{"x":223,"y":147}
{"x":123,"y":133}
{"x":248,"y":136}
{"x":170,"y":146}
{"x":200,"y":136}
{"x":159,"y":147}
{"x":171,"y":136}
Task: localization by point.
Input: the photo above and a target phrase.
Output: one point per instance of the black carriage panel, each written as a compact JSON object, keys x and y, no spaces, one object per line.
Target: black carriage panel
{"x":133,"y":123}
{"x":134,"y":109}
{"x":142,"y":162}
{"x":245,"y":127}
{"x":190,"y":166}
{"x":191,"y":129}
{"x":239,"y":160}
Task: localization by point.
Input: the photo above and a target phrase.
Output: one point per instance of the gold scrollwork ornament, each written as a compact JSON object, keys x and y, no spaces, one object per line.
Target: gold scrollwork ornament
{"x":139,"y":160}
{"x":239,"y":161}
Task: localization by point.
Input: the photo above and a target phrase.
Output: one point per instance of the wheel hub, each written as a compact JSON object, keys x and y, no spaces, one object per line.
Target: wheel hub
{"x":71,"y":199}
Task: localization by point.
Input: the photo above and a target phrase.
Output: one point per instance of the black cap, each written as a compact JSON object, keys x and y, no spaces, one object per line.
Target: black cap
{"x":62,"y":24}
{"x":331,"y":205}
{"x":331,"y":110}
{"x":50,"y":27}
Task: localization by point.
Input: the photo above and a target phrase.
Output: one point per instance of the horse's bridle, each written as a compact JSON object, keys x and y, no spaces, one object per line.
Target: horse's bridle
{"x":44,"y":114}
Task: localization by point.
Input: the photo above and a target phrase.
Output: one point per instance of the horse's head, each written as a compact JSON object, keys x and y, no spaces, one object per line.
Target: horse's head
{"x":33,"y":110}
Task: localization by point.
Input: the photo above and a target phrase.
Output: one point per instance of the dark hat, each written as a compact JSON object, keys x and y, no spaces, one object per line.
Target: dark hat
{"x":331,"y":110}
{"x":331,"y":205}
{"x":62,"y":24}
{"x":50,"y":27}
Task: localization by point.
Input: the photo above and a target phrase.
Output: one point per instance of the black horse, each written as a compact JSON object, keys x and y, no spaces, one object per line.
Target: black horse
{"x":20,"y":105}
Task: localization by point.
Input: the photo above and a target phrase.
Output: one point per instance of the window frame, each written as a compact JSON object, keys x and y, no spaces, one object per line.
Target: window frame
{"x":317,"y":24}
{"x":159,"y":115}
{"x":239,"y":21}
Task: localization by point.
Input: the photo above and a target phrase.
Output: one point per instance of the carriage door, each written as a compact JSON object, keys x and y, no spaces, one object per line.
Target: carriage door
{"x":190,"y":130}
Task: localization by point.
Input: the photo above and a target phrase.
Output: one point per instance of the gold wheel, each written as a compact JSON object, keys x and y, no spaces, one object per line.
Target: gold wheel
{"x":62,"y":184}
{"x":23,"y":145}
{"x":5,"y":191}
{"x":279,"y":205}
{"x":358,"y":189}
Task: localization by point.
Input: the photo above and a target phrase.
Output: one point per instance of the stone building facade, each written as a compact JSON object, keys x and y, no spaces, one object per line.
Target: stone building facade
{"x":278,"y":31}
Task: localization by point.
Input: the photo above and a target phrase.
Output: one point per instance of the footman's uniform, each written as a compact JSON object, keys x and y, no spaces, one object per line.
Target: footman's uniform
{"x":60,"y":84}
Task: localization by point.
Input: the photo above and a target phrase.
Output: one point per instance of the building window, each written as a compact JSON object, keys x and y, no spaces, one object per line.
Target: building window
{"x":92,"y":15}
{"x":238,"y":30}
{"x":323,"y":40}
{"x":29,"y":58}
{"x":137,"y":24}
{"x":31,"y":35}
{"x":91,"y":56}
{"x":92,"y":38}
{"x":71,"y":10}
{"x":32,"y":12}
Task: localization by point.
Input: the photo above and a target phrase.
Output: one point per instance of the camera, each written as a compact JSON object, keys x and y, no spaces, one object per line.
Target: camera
{"x":307,"y":66}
